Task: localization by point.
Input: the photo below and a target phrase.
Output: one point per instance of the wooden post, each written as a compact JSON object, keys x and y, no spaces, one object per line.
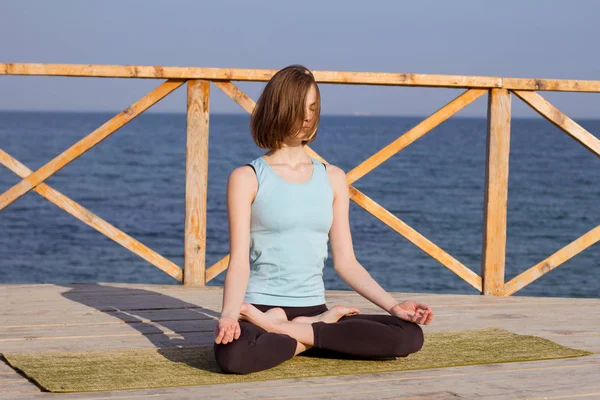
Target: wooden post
{"x":196,"y":179}
{"x":496,"y":192}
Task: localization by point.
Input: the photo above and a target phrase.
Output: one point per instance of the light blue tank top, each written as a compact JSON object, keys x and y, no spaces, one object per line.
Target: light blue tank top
{"x":289,"y":231}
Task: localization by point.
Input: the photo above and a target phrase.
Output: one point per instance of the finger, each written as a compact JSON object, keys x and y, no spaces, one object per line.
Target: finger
{"x":424,"y":317}
{"x":219,"y":337}
{"x":429,"y":318}
{"x":228,"y":336}
{"x":230,"y":333}
{"x":238,"y":332}
{"x":225,"y":339}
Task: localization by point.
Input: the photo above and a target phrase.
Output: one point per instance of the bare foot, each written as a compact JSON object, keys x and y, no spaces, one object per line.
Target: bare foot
{"x":330,"y":316}
{"x":276,"y":314}
{"x":269,"y":320}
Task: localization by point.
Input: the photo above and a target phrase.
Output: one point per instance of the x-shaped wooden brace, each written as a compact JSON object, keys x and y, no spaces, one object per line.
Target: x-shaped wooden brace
{"x":590,"y":142}
{"x":34,"y":180}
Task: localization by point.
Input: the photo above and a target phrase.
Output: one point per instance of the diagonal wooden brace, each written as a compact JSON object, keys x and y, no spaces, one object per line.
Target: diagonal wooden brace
{"x":91,"y":219}
{"x":79,"y":148}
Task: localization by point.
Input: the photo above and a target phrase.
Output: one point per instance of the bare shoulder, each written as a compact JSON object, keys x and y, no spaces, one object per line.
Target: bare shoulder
{"x":242,"y":181}
{"x":335,"y":172}
{"x":337,"y":177}
{"x":242,"y":173}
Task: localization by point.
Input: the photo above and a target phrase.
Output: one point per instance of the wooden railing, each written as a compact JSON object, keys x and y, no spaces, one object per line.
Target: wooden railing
{"x":194,"y":272}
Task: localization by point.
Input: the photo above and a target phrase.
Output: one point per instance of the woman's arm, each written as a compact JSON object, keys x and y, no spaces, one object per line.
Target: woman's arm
{"x":348,"y":267}
{"x":241,"y":189}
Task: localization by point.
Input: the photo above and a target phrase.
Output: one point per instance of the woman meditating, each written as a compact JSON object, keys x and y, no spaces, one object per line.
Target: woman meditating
{"x":283,"y":208}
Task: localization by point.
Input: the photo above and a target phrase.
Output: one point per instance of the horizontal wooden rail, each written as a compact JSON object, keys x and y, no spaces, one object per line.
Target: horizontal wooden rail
{"x":263,"y":75}
{"x":235,"y":74}
{"x":551,"y":85}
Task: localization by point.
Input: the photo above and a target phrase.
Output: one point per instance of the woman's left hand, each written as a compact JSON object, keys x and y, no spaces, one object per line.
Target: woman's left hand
{"x":413,"y":311}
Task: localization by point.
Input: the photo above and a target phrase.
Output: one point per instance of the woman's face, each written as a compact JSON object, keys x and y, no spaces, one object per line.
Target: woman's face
{"x":310,"y":107}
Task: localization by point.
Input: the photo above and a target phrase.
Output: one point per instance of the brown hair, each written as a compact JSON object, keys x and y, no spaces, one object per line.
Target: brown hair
{"x":279,"y":112}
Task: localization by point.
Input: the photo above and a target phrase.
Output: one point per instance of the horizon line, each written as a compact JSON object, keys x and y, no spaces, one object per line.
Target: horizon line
{"x":354,"y":115}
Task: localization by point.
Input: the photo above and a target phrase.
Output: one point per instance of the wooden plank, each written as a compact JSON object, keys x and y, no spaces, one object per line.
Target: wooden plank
{"x":413,"y":134}
{"x":94,"y":317}
{"x":334,"y":77}
{"x":237,"y":74}
{"x":562,"y":121}
{"x":416,"y":238}
{"x":556,"y":259}
{"x":236,"y":95}
{"x":103,"y":329}
{"x":17,"y":384}
{"x":79,"y":148}
{"x":108,"y":342}
{"x":108,"y":303}
{"x":89,"y":320}
{"x":66,"y":309}
{"x":93,"y":220}
{"x":89,"y":287}
{"x":44,"y":293}
{"x":196,"y":181}
{"x":143,"y":298}
{"x":142,"y":308}
{"x":557,"y":85}
{"x":496,"y":192}
{"x":166,"y":393}
{"x":471,"y":382}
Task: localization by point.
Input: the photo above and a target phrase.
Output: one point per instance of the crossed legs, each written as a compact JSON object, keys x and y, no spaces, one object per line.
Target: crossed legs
{"x":300,"y":328}
{"x":268,"y":338}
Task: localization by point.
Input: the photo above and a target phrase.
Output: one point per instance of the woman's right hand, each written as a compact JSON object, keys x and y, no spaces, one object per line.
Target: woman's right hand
{"x":227,"y":330}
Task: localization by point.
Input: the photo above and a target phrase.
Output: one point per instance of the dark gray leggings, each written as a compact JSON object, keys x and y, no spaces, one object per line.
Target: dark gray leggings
{"x":359,"y":336}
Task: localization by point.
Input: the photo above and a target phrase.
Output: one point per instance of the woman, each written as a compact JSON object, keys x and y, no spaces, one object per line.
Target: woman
{"x":283,"y":208}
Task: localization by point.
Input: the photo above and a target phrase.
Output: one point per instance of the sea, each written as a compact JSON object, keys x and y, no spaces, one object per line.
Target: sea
{"x":135,"y":179}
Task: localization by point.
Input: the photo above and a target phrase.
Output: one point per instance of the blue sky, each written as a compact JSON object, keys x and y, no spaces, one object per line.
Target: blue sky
{"x":540,"y":39}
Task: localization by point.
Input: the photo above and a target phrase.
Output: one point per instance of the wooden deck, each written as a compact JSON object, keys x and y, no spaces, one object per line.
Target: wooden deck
{"x":50,"y":317}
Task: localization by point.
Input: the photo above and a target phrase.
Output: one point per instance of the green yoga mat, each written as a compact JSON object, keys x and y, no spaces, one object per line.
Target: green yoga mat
{"x":86,"y":371}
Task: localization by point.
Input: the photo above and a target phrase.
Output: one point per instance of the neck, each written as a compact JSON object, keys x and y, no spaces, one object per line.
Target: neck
{"x":290,"y":155}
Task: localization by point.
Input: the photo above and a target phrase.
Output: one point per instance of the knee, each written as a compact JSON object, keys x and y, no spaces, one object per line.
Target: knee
{"x":230,"y":359}
{"x":409,"y":340}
